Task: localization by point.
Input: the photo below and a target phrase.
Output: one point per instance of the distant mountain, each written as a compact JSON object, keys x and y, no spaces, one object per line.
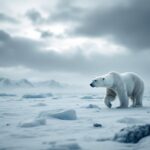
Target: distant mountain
{"x":8,"y":83}
{"x":5,"y":82}
{"x":24,"y":83}
{"x":50,"y":84}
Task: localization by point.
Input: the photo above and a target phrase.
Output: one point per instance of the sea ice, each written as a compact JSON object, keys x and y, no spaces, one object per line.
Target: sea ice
{"x":37,"y":95}
{"x":5,"y":94}
{"x":65,"y":115}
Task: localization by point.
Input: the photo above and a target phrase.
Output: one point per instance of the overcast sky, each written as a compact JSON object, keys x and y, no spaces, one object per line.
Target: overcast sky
{"x":68,"y":40}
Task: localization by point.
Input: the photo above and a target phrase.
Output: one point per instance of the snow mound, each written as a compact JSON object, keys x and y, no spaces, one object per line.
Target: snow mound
{"x":87,"y":97}
{"x":65,"y":115}
{"x":93,"y":106}
{"x":71,"y":146}
{"x":132,"y":134}
{"x":28,"y":96}
{"x":6,"y":95}
{"x":33,"y":123}
{"x":130,"y":120}
{"x":91,"y":97}
{"x":39,"y":104}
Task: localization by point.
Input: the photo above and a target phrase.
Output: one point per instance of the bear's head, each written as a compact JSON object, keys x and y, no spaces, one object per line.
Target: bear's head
{"x":103,"y":81}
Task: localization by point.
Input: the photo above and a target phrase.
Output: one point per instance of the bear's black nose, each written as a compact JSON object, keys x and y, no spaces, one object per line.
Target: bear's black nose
{"x":91,"y":85}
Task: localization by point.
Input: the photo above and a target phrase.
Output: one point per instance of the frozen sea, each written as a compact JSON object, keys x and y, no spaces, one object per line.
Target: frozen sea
{"x":47,"y":119}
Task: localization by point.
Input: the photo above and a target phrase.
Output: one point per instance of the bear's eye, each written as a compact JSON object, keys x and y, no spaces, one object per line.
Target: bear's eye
{"x":95,"y":80}
{"x":103,"y":78}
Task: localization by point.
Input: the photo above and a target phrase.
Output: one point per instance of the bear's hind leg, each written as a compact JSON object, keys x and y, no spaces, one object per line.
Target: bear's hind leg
{"x":139,"y":92}
{"x":122,"y":94}
{"x":124,"y":101}
{"x":133,"y":102}
{"x":138,"y":102}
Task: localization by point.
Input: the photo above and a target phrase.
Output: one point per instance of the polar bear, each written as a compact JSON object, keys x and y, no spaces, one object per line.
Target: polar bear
{"x":124,"y":85}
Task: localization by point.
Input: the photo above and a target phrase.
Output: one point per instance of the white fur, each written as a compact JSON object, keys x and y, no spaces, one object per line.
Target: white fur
{"x":126,"y":85}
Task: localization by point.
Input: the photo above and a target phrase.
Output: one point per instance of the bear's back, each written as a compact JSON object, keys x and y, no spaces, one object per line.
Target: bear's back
{"x":132,"y":81}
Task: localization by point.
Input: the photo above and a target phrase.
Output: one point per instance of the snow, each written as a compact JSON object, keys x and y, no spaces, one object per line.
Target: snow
{"x":72,"y":146}
{"x":67,"y":121}
{"x":91,"y":97}
{"x":129,"y":120}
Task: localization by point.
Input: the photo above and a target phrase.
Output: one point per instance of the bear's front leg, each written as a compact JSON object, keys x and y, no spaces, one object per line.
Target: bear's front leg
{"x":110,"y":96}
{"x":108,"y":102}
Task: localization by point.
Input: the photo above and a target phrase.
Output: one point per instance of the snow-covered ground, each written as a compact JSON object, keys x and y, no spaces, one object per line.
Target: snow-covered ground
{"x":61,"y":120}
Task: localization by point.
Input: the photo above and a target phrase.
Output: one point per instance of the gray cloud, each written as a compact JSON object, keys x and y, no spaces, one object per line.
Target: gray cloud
{"x":4,"y":36}
{"x":127,"y":24}
{"x":46,"y":34}
{"x":35,"y":16}
{"x":6,"y":18}
{"x":17,"y":51}
{"x":65,"y":11}
{"x":25,"y":52}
